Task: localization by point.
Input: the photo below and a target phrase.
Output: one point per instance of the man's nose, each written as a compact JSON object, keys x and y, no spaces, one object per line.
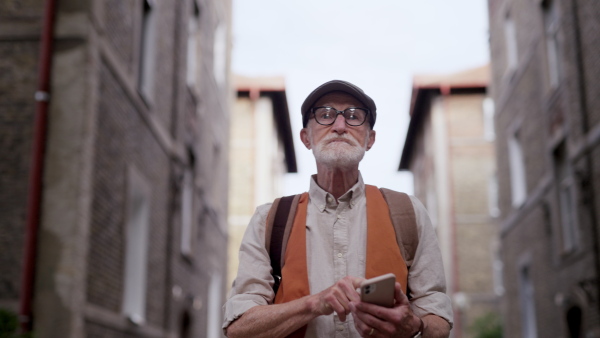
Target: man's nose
{"x":339,"y":125}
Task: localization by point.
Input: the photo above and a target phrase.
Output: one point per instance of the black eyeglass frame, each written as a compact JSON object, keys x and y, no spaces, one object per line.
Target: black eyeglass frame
{"x":338,"y":112}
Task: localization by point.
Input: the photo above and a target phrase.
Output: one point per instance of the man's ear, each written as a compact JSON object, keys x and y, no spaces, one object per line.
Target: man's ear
{"x":304,"y":137}
{"x":371,"y":139}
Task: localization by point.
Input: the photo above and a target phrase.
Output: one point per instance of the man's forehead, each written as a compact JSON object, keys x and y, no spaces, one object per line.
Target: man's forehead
{"x":338,"y":97}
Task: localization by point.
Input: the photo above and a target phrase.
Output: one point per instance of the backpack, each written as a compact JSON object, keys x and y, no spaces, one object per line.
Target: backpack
{"x":283,"y":210}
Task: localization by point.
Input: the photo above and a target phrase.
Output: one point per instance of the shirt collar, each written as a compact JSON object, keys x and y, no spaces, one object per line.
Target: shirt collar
{"x":322,"y":199}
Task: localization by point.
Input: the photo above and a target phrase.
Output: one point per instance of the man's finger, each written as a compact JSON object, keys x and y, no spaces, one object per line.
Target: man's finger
{"x":341,"y":304}
{"x":401,"y":298}
{"x":358,"y":323}
{"x":367,"y":319}
{"x":350,"y":291}
{"x":341,"y":310}
{"x":356,"y":281}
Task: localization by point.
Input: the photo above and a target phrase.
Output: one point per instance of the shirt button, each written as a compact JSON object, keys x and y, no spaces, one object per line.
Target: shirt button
{"x":338,"y":216}
{"x":340,"y":255}
{"x":340,"y":328}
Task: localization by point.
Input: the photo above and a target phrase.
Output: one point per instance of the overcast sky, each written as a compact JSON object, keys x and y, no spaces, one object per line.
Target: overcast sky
{"x":377,"y":44}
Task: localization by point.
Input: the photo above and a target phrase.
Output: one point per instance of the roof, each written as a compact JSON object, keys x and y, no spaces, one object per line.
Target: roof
{"x":274,"y":88}
{"x":426,"y":87}
{"x":264,"y":83}
{"x":475,"y":77}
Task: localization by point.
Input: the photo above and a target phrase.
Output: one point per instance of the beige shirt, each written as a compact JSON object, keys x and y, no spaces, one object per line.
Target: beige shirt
{"x":336,"y":247}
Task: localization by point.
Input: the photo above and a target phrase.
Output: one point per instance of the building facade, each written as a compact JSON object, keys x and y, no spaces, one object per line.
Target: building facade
{"x":545,"y":85}
{"x":450,"y":151}
{"x":126,"y":228}
{"x":261,"y":152}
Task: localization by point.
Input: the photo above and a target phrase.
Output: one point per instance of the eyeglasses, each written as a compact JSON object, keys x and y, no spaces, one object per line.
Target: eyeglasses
{"x":326,"y":115}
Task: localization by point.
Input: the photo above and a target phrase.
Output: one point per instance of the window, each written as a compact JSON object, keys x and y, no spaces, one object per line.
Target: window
{"x":187,"y":206}
{"x":187,"y":209}
{"x":517,"y":170}
{"x":192,"y":46}
{"x":488,"y":119}
{"x":510,"y":36}
{"x":551,"y":23}
{"x":215,"y":290}
{"x":136,"y":247}
{"x":185,"y":325}
{"x":220,"y":54}
{"x":574,"y":318}
{"x":497,"y":269}
{"x":528,"y":316}
{"x":493,"y":208}
{"x":566,"y":199}
{"x":147,"y":50}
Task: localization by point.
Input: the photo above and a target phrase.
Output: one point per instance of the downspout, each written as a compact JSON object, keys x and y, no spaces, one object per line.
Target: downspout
{"x":42,"y":98}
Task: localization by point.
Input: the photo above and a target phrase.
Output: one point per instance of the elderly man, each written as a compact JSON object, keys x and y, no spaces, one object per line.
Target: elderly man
{"x":334,"y":245}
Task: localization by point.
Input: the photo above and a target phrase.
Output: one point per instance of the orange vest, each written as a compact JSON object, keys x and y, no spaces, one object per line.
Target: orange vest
{"x":383,"y":253}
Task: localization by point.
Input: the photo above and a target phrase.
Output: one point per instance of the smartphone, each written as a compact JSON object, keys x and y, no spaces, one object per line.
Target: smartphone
{"x":379,"y":290}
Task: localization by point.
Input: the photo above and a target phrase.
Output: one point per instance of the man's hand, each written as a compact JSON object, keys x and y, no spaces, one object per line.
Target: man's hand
{"x":377,"y":321}
{"x":337,"y":297}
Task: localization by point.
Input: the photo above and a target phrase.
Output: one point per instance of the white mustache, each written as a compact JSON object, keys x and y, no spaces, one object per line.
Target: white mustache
{"x":343,"y":138}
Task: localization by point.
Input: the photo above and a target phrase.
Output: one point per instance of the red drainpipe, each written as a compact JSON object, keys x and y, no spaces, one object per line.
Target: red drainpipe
{"x":42,"y":98}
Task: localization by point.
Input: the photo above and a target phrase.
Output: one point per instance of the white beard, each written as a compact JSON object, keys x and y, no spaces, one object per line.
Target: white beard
{"x":339,"y":154}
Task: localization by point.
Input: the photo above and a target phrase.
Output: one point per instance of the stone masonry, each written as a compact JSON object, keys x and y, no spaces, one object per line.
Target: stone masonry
{"x":545,"y":71}
{"x":113,"y":123}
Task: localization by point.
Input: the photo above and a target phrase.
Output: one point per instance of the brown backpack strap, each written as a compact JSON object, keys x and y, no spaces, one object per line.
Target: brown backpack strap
{"x":403,"y":217}
{"x":278,"y":227}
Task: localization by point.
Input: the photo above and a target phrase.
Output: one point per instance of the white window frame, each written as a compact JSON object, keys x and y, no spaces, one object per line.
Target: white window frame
{"x":192,"y":46}
{"x":518,"y":171}
{"x":187,"y":213}
{"x":493,"y":206}
{"x":566,"y":190}
{"x":527,"y":298}
{"x":568,"y":207}
{"x":215,"y":300}
{"x":498,"y":269}
{"x":510,"y":37}
{"x":551,"y":25}
{"x":488,"y":110}
{"x":147,"y":57}
{"x":137,"y":230}
{"x":220,"y":54}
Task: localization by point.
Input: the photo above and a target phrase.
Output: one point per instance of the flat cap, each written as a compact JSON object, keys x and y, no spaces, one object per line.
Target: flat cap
{"x":342,"y":86}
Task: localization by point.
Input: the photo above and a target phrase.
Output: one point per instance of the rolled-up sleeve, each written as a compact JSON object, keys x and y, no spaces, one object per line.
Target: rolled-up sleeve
{"x":426,"y":277}
{"x":254,"y":284}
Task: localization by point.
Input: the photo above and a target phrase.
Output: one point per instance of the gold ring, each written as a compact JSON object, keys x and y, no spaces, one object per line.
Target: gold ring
{"x":372,"y":330}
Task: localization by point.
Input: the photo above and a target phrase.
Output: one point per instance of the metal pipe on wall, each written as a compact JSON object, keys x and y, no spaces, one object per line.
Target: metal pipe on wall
{"x":42,"y":97}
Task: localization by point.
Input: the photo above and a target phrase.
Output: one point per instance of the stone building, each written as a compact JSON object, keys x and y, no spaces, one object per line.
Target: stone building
{"x":261,"y":152}
{"x":545,"y":85}
{"x":126,"y":226}
{"x":450,"y":151}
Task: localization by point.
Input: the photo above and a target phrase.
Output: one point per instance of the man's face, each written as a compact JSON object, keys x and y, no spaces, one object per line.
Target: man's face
{"x":338,"y":145}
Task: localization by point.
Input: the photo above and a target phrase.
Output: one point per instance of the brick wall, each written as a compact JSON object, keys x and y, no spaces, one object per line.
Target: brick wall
{"x":200,"y":126}
{"x":18,"y":79}
{"x":119,"y":17}
{"x":453,"y":164}
{"x":114,"y":129}
{"x":122,"y":140}
{"x":548,"y":116}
